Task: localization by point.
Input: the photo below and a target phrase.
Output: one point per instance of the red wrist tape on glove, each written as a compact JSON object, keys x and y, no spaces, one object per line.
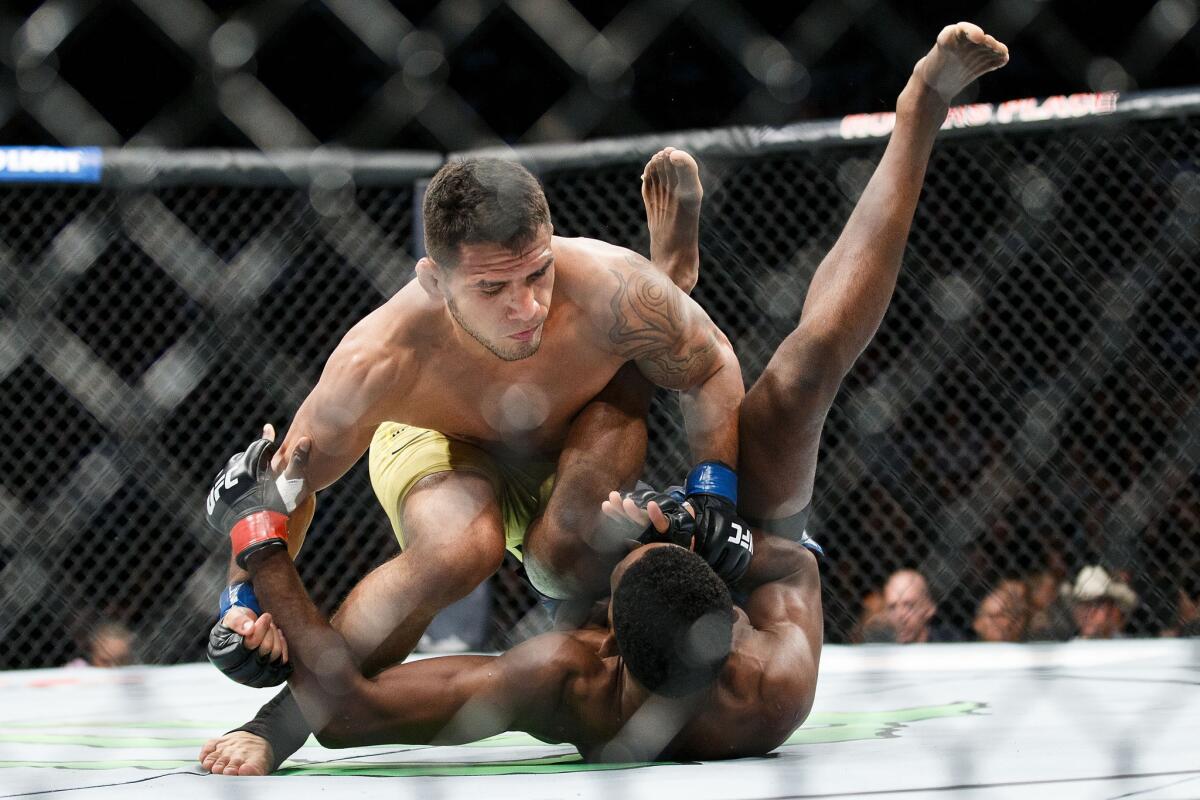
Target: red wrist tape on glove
{"x":260,"y":528}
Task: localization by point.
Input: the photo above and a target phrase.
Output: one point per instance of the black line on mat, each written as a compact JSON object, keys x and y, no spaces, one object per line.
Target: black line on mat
{"x":1153,"y":789}
{"x":960,"y":786}
{"x":95,"y":785}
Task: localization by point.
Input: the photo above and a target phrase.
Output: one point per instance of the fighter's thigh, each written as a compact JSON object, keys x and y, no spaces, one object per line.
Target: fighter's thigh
{"x":452,"y":524}
{"x":779,"y":432}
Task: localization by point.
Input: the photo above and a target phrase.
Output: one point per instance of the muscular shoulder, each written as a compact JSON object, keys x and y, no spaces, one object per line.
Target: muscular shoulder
{"x":383,"y":348}
{"x":622,"y":294}
{"x":770,"y":676}
{"x":553,"y":672}
{"x":590,"y":272}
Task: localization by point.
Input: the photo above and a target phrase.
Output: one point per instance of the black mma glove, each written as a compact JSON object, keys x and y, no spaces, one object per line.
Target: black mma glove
{"x":681,"y":525}
{"x":227,"y":651}
{"x":246,"y":505}
{"x":249,"y":505}
{"x":255,"y":669}
{"x":723,"y":539}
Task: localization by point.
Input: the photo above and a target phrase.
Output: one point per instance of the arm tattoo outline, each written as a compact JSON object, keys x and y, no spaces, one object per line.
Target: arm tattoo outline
{"x":649,"y":323}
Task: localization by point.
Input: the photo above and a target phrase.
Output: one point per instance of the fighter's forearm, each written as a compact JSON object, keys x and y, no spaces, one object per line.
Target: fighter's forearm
{"x":298,"y":523}
{"x":325,"y":677}
{"x":434,"y":701}
{"x":710,"y":410}
{"x":853,"y":286}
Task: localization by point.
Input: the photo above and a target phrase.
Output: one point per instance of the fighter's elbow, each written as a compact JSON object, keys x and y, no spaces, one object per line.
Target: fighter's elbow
{"x":346,"y":727}
{"x":334,"y":736}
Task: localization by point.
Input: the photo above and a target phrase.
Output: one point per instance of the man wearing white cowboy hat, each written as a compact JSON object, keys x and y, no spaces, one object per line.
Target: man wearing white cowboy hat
{"x":1100,"y":604}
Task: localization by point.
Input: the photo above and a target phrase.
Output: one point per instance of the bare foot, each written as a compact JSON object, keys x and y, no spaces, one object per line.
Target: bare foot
{"x":672,"y":193}
{"x":963,"y":52}
{"x":237,"y":753}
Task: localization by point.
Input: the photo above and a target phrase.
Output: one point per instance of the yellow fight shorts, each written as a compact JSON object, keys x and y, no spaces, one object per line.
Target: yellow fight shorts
{"x":401,"y":455}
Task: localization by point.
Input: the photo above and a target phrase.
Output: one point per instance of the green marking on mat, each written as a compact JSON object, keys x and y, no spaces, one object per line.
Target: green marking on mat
{"x":854,"y":726}
{"x":822,"y":728}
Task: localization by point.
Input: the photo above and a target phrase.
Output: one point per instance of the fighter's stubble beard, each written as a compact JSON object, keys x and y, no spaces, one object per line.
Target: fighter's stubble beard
{"x":524,"y":349}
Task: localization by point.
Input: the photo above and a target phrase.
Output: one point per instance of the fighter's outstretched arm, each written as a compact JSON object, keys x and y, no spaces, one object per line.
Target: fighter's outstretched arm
{"x":338,"y":417}
{"x":444,"y":700}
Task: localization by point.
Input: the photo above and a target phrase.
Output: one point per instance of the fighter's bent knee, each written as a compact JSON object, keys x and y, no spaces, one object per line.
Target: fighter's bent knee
{"x":460,"y":565}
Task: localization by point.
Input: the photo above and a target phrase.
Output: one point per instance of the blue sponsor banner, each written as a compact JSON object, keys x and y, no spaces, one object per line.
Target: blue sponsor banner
{"x":45,"y":164}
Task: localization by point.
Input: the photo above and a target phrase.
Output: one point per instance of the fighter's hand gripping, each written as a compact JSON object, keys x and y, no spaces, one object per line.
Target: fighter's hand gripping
{"x":652,"y":516}
{"x":249,"y":504}
{"x":245,"y":644}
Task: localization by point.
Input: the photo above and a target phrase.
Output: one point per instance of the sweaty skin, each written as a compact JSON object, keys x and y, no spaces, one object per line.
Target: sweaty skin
{"x":571,"y":686}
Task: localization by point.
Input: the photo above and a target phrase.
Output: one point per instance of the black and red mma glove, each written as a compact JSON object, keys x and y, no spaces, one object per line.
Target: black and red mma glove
{"x":245,"y":502}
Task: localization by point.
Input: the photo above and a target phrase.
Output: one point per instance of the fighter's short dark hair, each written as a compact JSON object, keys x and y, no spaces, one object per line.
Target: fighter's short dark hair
{"x":673,"y":621}
{"x":481,"y":201}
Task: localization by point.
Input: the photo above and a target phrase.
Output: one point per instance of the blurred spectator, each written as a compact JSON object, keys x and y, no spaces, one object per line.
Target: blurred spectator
{"x":110,"y":644}
{"x":1049,"y":613}
{"x":910,"y":610}
{"x":873,"y":626}
{"x":1187,"y":615}
{"x":1100,"y":604}
{"x":1003,"y":616}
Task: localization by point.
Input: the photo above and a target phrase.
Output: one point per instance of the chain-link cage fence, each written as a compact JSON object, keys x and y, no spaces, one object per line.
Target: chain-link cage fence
{"x":1031,"y":403}
{"x":450,"y":74}
{"x":1029,"y":407}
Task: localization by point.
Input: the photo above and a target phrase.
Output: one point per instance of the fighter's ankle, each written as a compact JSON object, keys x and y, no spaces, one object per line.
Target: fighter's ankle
{"x":920,"y":100}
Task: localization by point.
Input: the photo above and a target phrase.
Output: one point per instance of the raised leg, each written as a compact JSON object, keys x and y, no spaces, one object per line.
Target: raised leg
{"x":782,"y":415}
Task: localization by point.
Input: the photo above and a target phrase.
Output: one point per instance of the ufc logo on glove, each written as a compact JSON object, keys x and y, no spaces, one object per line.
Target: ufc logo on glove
{"x":741,"y":537}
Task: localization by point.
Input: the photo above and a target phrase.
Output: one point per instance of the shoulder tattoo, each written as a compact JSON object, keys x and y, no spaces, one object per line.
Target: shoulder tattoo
{"x":652,"y":326}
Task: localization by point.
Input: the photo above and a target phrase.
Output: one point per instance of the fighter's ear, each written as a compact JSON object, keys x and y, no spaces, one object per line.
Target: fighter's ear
{"x":430,"y":276}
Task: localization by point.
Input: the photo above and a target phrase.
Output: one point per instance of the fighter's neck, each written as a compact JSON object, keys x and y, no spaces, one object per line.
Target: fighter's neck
{"x":631,"y":695}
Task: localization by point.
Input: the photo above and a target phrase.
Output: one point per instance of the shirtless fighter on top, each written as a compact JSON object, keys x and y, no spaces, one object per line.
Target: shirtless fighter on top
{"x":464,"y":386}
{"x":675,"y":671}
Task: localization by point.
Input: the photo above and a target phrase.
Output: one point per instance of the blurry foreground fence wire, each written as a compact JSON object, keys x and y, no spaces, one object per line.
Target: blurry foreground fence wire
{"x":1030,"y":406}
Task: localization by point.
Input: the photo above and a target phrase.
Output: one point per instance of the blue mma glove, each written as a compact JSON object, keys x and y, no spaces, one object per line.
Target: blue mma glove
{"x":723,"y":538}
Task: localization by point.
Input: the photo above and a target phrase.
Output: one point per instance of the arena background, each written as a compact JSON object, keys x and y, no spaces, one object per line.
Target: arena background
{"x":1031,"y":404}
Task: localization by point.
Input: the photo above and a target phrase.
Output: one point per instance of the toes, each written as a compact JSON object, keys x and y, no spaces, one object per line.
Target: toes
{"x":250,"y":769}
{"x":971,"y":32}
